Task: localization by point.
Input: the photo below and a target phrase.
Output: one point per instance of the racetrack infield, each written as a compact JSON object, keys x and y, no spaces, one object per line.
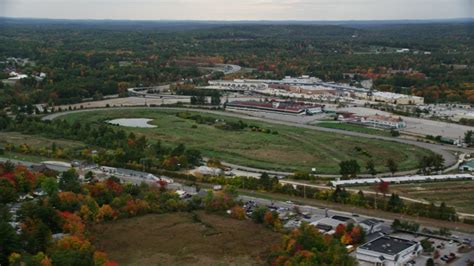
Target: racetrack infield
{"x":292,"y":149}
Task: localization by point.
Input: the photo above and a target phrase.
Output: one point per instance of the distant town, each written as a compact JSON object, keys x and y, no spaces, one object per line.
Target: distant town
{"x":230,"y":143}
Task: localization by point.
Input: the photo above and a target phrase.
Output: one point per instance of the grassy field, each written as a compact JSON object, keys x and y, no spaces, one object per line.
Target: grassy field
{"x":35,"y":141}
{"x":355,"y":128}
{"x":290,"y":150}
{"x":26,"y":157}
{"x":181,"y":239}
{"x":459,"y":194}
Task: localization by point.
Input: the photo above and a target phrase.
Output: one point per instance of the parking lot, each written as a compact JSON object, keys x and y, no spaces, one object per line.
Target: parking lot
{"x":292,"y":215}
{"x":450,"y":252}
{"x":419,"y":126}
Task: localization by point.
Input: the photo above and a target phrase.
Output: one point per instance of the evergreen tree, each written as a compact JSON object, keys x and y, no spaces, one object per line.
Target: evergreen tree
{"x":392,"y":166}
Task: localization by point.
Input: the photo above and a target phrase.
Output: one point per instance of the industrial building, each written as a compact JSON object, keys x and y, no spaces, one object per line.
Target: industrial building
{"x":401,"y":179}
{"x":388,"y":251}
{"x":395,"y":98}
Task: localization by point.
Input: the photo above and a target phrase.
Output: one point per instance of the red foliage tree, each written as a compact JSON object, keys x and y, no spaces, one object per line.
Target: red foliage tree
{"x":340,"y":231}
{"x":382,"y":187}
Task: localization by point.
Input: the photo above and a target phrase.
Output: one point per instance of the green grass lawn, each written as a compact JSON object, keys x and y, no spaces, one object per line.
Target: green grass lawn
{"x":458,"y":194}
{"x":292,"y":149}
{"x":35,"y":141}
{"x":27,"y":157}
{"x":355,"y":128}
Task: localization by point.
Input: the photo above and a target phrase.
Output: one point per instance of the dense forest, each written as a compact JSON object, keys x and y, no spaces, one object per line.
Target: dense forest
{"x":91,"y":59}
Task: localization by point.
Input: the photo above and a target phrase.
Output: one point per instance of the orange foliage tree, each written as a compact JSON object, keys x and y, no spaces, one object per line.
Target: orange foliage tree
{"x":237,"y":212}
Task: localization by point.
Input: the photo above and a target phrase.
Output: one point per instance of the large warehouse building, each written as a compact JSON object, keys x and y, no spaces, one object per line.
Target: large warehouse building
{"x":297,"y":108}
{"x":388,"y":251}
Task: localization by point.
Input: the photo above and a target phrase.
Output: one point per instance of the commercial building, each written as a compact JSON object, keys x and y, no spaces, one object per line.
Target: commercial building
{"x":238,"y":85}
{"x":298,"y":108}
{"x":328,"y":225}
{"x":388,"y":251}
{"x":379,"y":121}
{"x":384,"y":121}
{"x":467,"y":166}
{"x":121,"y":172}
{"x":371,"y":226}
{"x":307,"y":84}
{"x":390,"y":97}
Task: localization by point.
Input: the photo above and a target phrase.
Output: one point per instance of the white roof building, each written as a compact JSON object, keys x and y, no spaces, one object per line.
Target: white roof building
{"x":401,"y":179}
{"x":388,"y":251}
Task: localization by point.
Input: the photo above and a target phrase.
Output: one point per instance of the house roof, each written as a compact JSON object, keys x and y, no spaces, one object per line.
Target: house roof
{"x":341,"y":218}
{"x":329,"y":222}
{"x":371,"y":221}
{"x":324,"y":227}
{"x":469,"y":164}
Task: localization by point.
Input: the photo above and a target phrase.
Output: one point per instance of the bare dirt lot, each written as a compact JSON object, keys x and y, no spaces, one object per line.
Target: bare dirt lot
{"x":185,"y":239}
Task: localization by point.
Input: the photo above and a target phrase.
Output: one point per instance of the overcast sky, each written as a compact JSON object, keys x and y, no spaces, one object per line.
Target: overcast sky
{"x":239,"y":9}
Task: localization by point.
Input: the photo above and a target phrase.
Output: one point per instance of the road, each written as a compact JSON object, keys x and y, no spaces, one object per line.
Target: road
{"x":446,"y":151}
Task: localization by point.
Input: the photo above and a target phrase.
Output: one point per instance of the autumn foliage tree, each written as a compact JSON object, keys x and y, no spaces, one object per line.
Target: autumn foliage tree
{"x":106,"y":213}
{"x":382,"y":187}
{"x":307,"y":246}
{"x":237,"y":212}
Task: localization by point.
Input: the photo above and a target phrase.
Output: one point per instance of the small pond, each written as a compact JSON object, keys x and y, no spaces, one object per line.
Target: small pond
{"x":132,"y":122}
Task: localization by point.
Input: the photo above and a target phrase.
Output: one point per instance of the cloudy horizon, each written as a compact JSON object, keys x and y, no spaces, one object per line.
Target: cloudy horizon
{"x":239,"y":9}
